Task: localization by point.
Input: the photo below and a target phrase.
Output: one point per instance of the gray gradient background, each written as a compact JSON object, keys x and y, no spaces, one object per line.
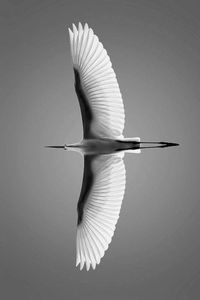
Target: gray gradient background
{"x":155,"y":50}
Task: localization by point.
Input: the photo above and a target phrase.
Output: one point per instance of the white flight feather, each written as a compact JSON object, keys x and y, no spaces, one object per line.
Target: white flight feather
{"x":101,"y":211}
{"x":98,"y":81}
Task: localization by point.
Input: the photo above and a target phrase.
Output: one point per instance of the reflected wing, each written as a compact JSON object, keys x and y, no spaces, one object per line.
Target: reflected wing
{"x":99,"y":206}
{"x":96,"y":85}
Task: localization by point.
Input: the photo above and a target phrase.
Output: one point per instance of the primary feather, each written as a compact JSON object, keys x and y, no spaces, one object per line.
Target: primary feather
{"x":103,"y":116}
{"x":99,"y":206}
{"x":96,"y":86}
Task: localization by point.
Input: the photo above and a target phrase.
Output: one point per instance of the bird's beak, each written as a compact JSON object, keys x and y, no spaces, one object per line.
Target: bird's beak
{"x":157,"y":144}
{"x":166,"y":144}
{"x":57,"y":147}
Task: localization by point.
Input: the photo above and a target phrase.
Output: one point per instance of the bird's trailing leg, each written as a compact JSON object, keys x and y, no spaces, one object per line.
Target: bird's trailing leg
{"x":58,"y":147}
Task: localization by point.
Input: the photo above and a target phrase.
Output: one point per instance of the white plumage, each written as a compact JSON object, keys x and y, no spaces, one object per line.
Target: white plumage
{"x":98,"y":81}
{"x":100,"y":86}
{"x":103,"y":146}
{"x":101,"y":211}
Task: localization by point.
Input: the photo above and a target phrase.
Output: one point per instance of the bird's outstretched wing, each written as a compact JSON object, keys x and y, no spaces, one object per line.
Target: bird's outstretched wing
{"x":96,"y":86}
{"x":99,"y":206}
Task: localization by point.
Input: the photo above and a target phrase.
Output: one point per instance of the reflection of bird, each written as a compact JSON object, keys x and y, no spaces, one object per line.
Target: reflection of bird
{"x":103,"y":146}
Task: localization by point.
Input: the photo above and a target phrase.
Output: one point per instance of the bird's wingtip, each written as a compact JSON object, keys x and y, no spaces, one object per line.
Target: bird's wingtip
{"x":80,"y":27}
{"x":69,"y":29}
{"x":74,"y":28}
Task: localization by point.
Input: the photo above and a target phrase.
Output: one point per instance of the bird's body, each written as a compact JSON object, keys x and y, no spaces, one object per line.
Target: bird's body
{"x":103,"y":146}
{"x":100,"y":146}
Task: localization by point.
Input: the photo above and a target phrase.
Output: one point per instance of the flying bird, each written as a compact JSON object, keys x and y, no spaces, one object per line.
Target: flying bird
{"x":103,"y":146}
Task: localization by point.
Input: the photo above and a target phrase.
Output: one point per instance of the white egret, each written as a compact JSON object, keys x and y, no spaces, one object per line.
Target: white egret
{"x":103,"y":146}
